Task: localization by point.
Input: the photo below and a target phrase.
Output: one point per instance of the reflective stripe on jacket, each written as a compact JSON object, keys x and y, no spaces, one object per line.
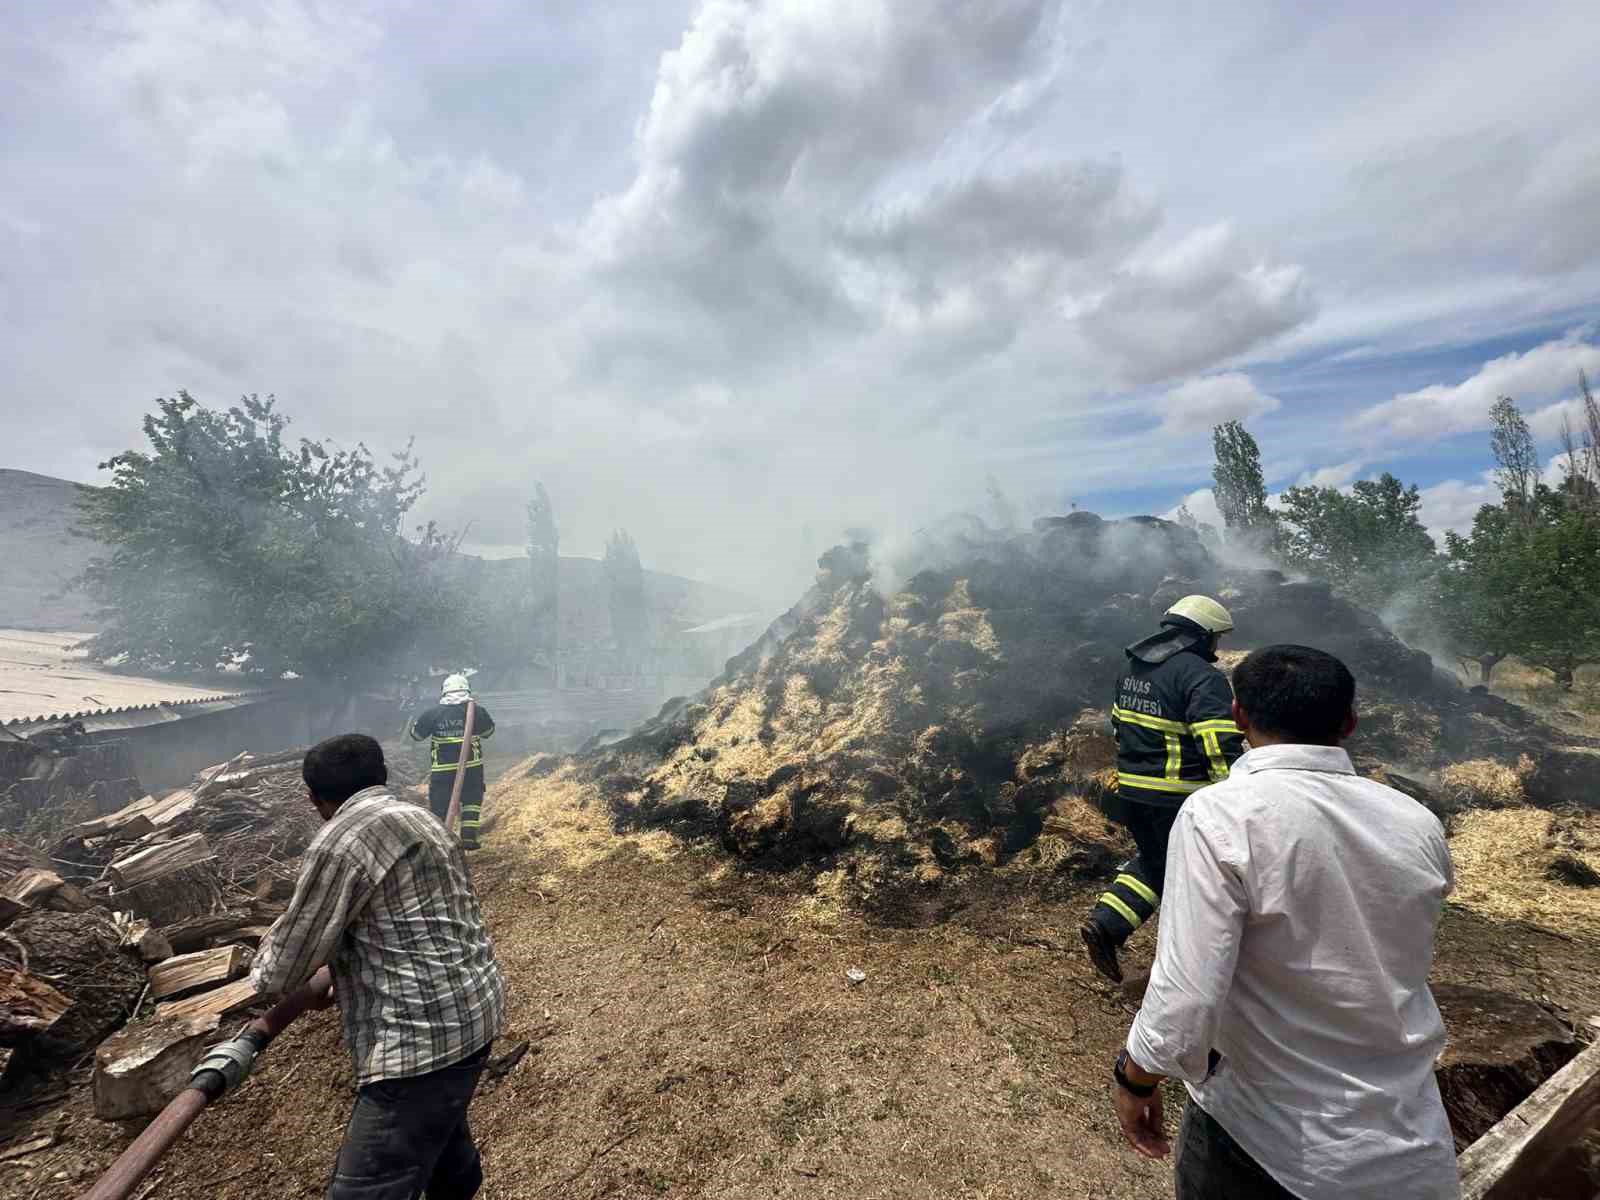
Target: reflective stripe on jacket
{"x":445,"y":724}
{"x":1175,"y":730}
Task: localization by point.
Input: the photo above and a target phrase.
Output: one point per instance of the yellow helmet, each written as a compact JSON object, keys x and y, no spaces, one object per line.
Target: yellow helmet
{"x":1204,"y":612}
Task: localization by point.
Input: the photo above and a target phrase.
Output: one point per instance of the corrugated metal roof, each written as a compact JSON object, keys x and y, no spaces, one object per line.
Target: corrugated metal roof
{"x":45,"y":679}
{"x":137,"y":716}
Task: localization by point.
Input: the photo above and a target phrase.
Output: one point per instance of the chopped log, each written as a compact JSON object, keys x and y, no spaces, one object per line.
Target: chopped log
{"x":1509,"y":1161}
{"x":28,"y":1006}
{"x":192,"y":972}
{"x":133,"y":820}
{"x":190,"y":892}
{"x":155,"y":862}
{"x":150,"y":944}
{"x":198,"y":933}
{"x":139,"y":1069}
{"x":81,"y":955}
{"x":223,"y":1001}
{"x":174,"y":806}
{"x":38,"y":887}
{"x":29,"y":886}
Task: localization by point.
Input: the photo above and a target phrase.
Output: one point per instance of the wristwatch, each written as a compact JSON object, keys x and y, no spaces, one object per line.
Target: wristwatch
{"x":1126,"y":1084}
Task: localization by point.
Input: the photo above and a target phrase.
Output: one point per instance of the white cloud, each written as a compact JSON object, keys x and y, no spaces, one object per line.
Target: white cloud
{"x":1339,"y":475}
{"x":1452,"y":504}
{"x":1202,"y":506}
{"x":1532,"y":378}
{"x":1198,"y":405}
{"x":1203,"y":301}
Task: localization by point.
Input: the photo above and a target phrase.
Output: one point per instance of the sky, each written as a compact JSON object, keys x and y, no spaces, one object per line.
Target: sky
{"x":738,"y":277}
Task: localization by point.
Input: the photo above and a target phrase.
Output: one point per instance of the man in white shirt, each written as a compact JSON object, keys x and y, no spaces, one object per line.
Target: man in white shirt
{"x":1290,"y":988}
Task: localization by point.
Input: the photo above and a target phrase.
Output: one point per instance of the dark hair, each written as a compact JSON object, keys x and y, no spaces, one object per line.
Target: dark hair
{"x":1295,"y":693}
{"x":339,"y":767}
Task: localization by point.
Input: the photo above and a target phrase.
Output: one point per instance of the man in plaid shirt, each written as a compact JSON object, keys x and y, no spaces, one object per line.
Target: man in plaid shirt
{"x":384,"y":905}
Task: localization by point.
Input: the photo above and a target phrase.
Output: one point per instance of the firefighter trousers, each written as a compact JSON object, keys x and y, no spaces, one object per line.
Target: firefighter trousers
{"x":440,"y":785}
{"x":1135,"y":894}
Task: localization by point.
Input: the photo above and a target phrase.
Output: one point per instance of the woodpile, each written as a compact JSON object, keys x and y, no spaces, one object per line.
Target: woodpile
{"x":132,"y":935}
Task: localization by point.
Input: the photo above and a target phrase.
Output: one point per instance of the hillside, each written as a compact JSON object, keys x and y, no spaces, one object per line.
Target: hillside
{"x":41,"y":554}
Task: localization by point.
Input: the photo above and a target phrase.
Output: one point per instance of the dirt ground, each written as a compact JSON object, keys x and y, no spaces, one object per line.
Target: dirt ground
{"x":692,"y":1033}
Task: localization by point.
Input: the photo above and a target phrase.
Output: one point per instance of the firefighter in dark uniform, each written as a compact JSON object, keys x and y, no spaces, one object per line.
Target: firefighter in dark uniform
{"x":445,"y":723}
{"x":1175,"y":733}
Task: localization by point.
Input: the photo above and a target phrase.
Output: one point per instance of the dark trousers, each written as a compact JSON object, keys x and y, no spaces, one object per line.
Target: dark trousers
{"x":442,"y":783}
{"x":1211,"y":1166}
{"x":409,"y":1137}
{"x":1133,"y":896}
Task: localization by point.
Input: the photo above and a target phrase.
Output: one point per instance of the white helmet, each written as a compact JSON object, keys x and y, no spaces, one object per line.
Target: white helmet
{"x":1204,"y":612}
{"x":455,"y":683}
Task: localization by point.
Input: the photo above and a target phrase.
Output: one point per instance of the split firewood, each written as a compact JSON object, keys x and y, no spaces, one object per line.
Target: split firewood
{"x":186,"y":973}
{"x":132,"y":821}
{"x":37,"y":887}
{"x":140,"y":1068}
{"x":172,"y":807}
{"x":28,"y":1006}
{"x":154,"y":862}
{"x":223,"y":1001}
{"x":197,"y":933}
{"x":149,"y":943}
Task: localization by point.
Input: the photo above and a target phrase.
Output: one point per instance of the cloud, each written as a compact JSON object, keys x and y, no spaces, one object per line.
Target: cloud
{"x":736,"y":275}
{"x":1452,"y":504}
{"x":1205,"y":300}
{"x":1531,"y":377}
{"x":1199,"y":405}
{"x":1339,"y":475}
{"x":1202,"y":506}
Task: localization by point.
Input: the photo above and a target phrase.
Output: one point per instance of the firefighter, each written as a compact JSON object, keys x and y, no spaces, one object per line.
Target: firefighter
{"x":445,"y":723}
{"x":1173,"y":719}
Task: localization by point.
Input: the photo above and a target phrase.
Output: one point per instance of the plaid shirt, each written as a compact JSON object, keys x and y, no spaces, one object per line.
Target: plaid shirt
{"x":384,"y":900}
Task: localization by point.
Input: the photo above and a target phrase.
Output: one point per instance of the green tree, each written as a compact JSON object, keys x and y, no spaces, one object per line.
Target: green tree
{"x":1369,"y":544}
{"x":228,"y":546}
{"x":1526,"y":579}
{"x":1241,"y":488}
{"x":544,"y":566}
{"x":630,"y":618}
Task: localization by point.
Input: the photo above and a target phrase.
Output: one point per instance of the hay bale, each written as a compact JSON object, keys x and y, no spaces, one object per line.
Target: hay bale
{"x":1486,"y":783}
{"x":1505,"y":866}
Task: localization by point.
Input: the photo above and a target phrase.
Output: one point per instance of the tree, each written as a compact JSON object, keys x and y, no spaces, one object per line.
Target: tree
{"x":1526,"y":580}
{"x":544,"y":566}
{"x":227,"y":546}
{"x":1204,"y":530}
{"x":1241,"y":489}
{"x":1582,"y":451}
{"x":1369,"y":544}
{"x":630,"y":618}
{"x":1516,"y":458}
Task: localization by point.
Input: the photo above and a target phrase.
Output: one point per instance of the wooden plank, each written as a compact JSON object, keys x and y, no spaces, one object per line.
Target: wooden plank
{"x":1506,"y":1162}
{"x":155,"y":862}
{"x":28,"y":1006}
{"x":187,"y":973}
{"x":223,"y":1001}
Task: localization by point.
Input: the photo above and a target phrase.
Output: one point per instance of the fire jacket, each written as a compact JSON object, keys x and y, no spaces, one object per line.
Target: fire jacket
{"x":444,"y":724}
{"x":1175,"y":730}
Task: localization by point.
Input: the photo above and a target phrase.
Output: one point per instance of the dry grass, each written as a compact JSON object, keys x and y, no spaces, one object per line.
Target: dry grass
{"x":1504,"y":859}
{"x":1486,"y":783}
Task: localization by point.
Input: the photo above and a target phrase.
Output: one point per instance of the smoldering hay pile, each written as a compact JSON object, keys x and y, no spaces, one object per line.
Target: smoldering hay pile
{"x":954,"y":716}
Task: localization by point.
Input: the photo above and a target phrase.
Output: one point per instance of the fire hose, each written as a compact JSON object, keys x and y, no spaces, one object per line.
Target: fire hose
{"x":207,"y":1084}
{"x":461,"y":767}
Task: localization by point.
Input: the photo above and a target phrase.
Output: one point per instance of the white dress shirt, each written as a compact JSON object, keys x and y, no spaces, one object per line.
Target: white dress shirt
{"x":1297,"y":929}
